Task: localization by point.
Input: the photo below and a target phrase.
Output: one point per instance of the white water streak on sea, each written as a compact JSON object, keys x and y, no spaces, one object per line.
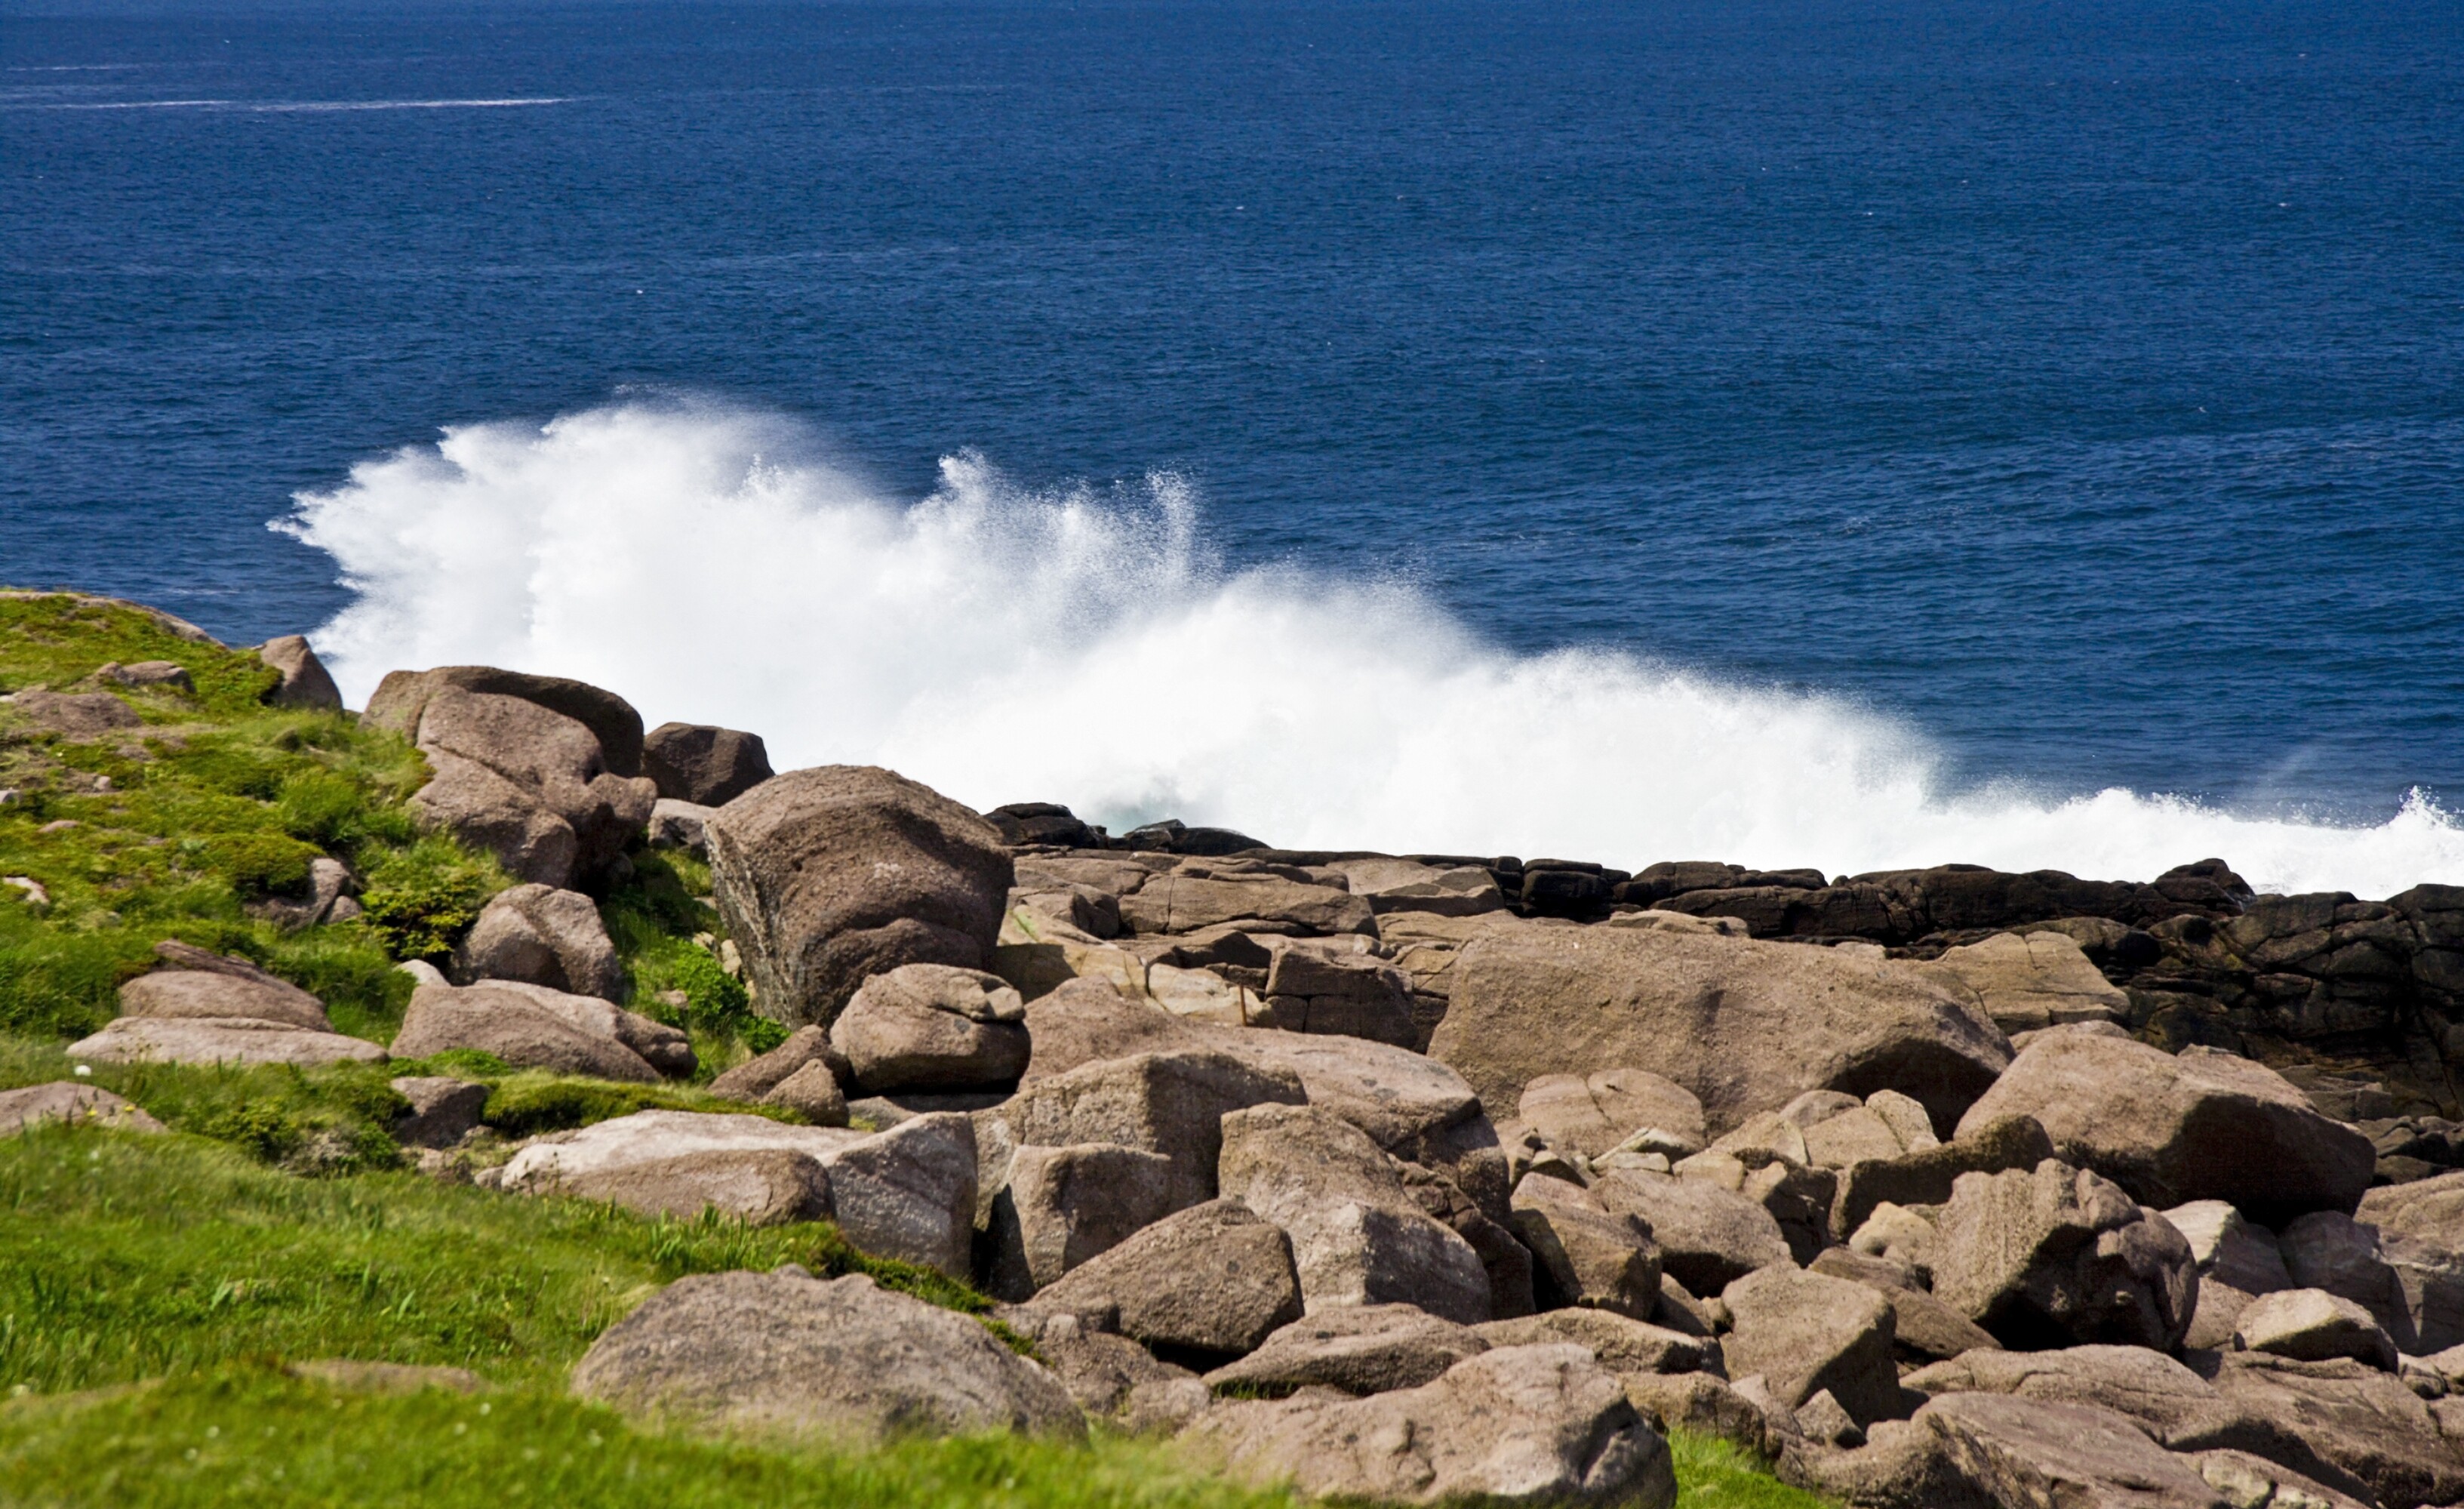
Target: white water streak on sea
{"x":1004,"y":644}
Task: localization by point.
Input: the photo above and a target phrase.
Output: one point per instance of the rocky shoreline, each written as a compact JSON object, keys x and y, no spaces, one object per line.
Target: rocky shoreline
{"x":1417,"y":1177}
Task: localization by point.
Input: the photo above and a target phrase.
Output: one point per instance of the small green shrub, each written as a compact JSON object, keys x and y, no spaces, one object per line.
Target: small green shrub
{"x":64,"y":985}
{"x":256,"y":862}
{"x":323,"y":806}
{"x":422,"y":898}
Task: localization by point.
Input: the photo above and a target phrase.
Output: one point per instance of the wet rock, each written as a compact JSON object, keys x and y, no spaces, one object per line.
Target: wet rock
{"x":539,"y":935}
{"x":839,"y":1359}
{"x":1523,"y":1424}
{"x":2201,"y":1125}
{"x":829,"y":876}
{"x":706,"y":766}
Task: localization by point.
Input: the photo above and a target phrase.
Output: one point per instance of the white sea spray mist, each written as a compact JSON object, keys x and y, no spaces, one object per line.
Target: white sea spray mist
{"x":1080,"y":645}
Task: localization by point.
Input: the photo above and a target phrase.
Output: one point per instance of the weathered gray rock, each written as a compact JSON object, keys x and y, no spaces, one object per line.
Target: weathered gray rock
{"x":759,"y":1186}
{"x":1521,"y":1424}
{"x":1702,"y":1404}
{"x":1063,"y":1206}
{"x":813,"y":1092}
{"x":218,"y":1040}
{"x":305,"y":682}
{"x":532,"y":1027}
{"x":1360,"y":1349}
{"x":1927,"y":1177}
{"x":2313,"y":1325}
{"x":2356,"y":1419}
{"x":69,"y":1102}
{"x":828,"y":875}
{"x":1622,"y":1345}
{"x":1921,"y":1326}
{"x":1806,"y":1332}
{"x":402,"y":700}
{"x":76,"y":715}
{"x":2178,"y":1408}
{"x":1405,"y":885}
{"x":1708,"y":1237}
{"x":1587,"y":1256}
{"x":443,"y":1109}
{"x":2245,"y":1480}
{"x":680,"y":824}
{"x":706,"y":766}
{"x":531,"y":785}
{"x":1211,"y":1280}
{"x":2330,"y":1250}
{"x":1184,"y":901}
{"x":1742,"y":1025}
{"x":165,"y":673}
{"x":1974,"y":1450}
{"x":2237,"y":1261}
{"x":2026,"y":982}
{"x":933,"y":1026}
{"x":2201,"y":1125}
{"x":1358,"y":1236}
{"x":1507,"y":1261}
{"x":1172,"y":1103}
{"x":2421,"y":1236}
{"x":192,"y":993}
{"x":1355,"y":995}
{"x":2059,"y":1255}
{"x":1112,"y":1376}
{"x":539,"y":935}
{"x":1594,"y":1114}
{"x":838,"y":1359}
{"x":910,"y":1192}
{"x":757,"y":1077}
{"x":907,"y":1192}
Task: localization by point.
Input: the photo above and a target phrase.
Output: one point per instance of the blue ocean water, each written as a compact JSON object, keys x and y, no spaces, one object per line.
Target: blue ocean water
{"x":2074,"y":386}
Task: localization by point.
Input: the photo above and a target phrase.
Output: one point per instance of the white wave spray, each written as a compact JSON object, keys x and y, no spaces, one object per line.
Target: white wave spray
{"x":1081,"y":646}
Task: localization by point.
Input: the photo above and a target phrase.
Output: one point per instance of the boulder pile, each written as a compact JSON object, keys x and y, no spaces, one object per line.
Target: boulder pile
{"x":1430,"y":1177}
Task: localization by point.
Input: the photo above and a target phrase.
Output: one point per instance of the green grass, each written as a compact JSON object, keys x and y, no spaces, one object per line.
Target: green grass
{"x":216,"y":802}
{"x":253,"y":1437}
{"x":1712,"y":1474}
{"x":124,"y":1256}
{"x":149,"y":1285}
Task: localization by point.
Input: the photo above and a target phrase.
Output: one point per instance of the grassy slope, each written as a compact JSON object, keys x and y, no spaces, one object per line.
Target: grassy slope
{"x":196,"y":1260}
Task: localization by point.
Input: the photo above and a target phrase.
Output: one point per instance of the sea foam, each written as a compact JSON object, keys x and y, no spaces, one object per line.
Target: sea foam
{"x":1082,"y":645}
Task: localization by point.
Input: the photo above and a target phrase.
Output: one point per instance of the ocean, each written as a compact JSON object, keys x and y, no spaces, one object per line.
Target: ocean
{"x":1846,"y":432}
